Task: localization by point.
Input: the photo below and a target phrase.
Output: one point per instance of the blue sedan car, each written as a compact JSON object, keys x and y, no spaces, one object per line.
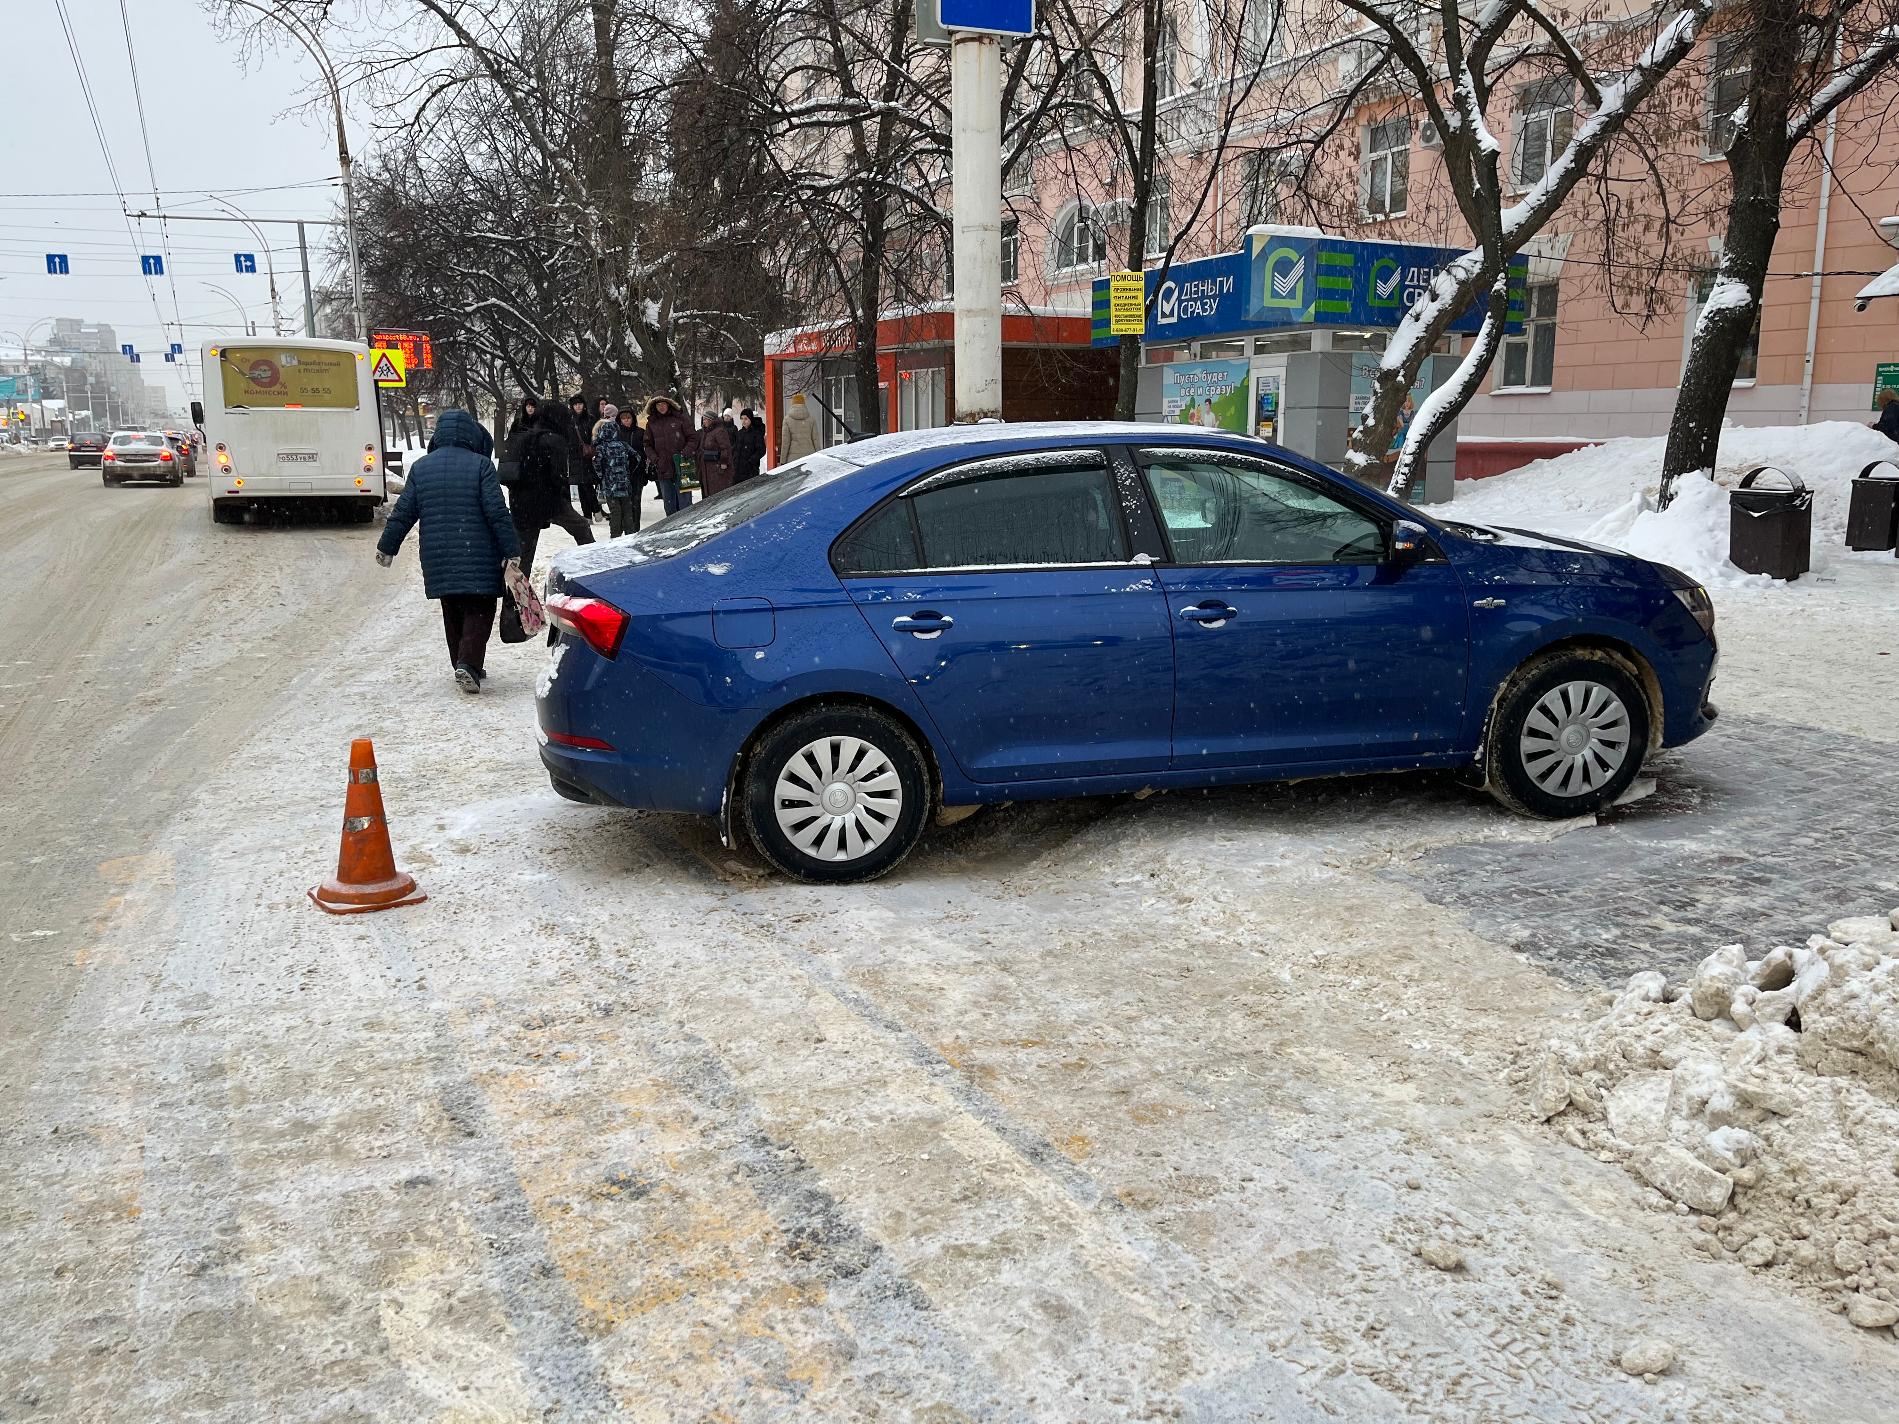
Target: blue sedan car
{"x":832,"y":653}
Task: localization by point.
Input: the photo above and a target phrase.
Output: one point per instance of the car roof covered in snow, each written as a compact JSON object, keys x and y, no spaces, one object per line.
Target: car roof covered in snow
{"x":875,"y":448}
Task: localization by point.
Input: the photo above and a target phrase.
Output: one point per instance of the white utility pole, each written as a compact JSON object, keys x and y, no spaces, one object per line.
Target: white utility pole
{"x":976,"y":176}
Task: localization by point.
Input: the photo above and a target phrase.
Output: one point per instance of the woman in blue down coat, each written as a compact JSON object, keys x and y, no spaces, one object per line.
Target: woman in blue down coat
{"x":467,"y":537}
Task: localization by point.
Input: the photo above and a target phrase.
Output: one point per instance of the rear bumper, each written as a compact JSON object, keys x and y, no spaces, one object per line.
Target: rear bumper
{"x":669,"y":753}
{"x":80,"y":459}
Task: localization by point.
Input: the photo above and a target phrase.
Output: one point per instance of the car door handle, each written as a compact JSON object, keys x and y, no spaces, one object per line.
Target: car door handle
{"x":923,"y":625}
{"x":1210,"y":613}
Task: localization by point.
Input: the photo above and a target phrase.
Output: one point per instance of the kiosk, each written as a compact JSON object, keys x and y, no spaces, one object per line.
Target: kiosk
{"x":1282,"y":338}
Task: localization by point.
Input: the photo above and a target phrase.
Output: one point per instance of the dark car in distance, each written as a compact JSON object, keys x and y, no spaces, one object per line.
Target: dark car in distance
{"x":86,"y":450}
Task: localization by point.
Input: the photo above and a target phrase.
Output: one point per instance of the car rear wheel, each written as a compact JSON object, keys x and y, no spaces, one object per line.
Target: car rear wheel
{"x":1568,"y":736}
{"x":836,"y":794}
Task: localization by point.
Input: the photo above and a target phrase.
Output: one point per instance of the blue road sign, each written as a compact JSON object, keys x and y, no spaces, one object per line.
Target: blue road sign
{"x":134,"y":358}
{"x":56,"y":265}
{"x":171,"y":356}
{"x":152,"y":266}
{"x":127,"y":352}
{"x":990,"y":17}
{"x":178,"y":348}
{"x":245,"y":261}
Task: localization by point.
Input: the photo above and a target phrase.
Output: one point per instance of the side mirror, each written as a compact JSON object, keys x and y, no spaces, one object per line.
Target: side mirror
{"x":1410,"y":541}
{"x":197,"y":412}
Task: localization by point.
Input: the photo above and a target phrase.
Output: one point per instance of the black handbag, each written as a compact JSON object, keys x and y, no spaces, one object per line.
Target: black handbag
{"x":511,"y":629}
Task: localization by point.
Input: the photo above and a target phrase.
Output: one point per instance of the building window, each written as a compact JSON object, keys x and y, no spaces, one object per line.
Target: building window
{"x":1261,"y":41}
{"x":1546,"y":115}
{"x":1080,"y":240}
{"x":1159,"y":230}
{"x":1385,"y":177}
{"x":1011,"y":241}
{"x":1728,"y":76}
{"x":1529,"y":360}
{"x":1261,"y":174}
{"x":1167,"y":59}
{"x":1748,"y":366}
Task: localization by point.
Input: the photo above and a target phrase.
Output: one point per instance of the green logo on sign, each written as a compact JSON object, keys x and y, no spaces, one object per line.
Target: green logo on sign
{"x":1387,"y":284}
{"x":1284,"y":288}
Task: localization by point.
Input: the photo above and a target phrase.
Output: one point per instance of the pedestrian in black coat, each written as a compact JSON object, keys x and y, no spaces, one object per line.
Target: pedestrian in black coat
{"x":1888,"y":422}
{"x":582,"y":411}
{"x":538,"y":497}
{"x":748,"y":446}
{"x":467,"y":537}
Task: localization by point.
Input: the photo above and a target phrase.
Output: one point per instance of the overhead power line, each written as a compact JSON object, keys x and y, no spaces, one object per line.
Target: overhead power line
{"x":151,"y":171}
{"x":105,"y":152}
{"x":190,"y":192}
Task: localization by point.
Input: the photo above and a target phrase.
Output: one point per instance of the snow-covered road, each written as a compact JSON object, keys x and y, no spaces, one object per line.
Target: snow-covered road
{"x":1102,"y":1110}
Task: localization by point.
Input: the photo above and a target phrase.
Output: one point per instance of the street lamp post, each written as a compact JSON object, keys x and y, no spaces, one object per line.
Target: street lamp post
{"x":245,"y":326}
{"x":270,"y":265}
{"x":300,"y":31}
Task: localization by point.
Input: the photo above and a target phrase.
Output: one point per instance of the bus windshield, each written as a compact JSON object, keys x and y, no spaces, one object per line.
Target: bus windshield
{"x":280,"y":377}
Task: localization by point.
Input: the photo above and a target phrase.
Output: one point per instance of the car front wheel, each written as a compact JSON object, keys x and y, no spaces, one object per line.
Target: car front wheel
{"x":836,"y":794}
{"x":1568,"y":736}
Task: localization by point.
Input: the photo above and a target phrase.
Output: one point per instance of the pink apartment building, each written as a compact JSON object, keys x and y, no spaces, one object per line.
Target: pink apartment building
{"x":1610,"y":302}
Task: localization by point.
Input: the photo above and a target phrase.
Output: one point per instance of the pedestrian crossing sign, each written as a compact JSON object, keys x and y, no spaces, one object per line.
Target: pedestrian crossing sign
{"x":386,"y":366}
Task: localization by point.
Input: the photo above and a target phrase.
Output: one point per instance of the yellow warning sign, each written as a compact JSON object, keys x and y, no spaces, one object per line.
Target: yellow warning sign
{"x":386,"y":366}
{"x":1127,"y":304}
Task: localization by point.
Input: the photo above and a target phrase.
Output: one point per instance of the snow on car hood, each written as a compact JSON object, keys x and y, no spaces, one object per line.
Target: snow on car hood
{"x":1527,"y":538}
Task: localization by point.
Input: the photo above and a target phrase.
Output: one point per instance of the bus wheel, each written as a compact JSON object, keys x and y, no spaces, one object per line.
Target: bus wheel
{"x":225,"y":512}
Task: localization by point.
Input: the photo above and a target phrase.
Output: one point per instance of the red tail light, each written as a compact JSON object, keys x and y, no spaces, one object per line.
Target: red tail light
{"x":164,"y":454}
{"x":587,"y":744}
{"x":107,"y":455}
{"x":593,"y":620}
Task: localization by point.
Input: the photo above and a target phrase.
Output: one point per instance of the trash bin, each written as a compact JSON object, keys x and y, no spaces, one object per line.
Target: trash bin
{"x":1872,"y":518}
{"x":1770,"y":531}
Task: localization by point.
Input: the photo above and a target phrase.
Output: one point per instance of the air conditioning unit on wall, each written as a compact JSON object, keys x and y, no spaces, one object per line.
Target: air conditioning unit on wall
{"x":1428,"y":136}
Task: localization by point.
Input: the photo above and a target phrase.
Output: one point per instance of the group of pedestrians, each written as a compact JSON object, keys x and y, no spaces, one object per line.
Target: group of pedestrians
{"x":608,"y":453}
{"x":615,"y":451}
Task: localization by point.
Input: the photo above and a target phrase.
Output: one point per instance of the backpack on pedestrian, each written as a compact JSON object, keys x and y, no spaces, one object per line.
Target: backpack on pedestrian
{"x":509,"y":467}
{"x":613,"y":464}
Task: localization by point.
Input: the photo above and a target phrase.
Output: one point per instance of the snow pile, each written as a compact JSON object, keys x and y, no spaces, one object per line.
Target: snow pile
{"x":1606,"y":493}
{"x":1691,"y":534}
{"x":1762,"y":1098}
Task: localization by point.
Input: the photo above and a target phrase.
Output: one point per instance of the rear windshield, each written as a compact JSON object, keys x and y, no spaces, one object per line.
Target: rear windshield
{"x":698,"y":523}
{"x":280,"y":377}
{"x":125,"y":438}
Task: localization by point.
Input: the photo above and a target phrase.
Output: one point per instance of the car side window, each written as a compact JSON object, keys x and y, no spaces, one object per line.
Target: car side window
{"x":1218,"y":511}
{"x":1021,"y":518}
{"x":886,"y":543}
{"x":1003,"y":514}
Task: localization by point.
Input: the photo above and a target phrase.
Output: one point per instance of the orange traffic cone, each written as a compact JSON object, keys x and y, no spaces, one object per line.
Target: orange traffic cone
{"x":366,"y":875}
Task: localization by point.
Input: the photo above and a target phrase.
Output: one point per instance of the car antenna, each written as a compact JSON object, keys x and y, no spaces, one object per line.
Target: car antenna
{"x":849,"y":434}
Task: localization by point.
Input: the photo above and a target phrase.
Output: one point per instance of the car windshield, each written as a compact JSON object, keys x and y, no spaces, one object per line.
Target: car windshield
{"x":694,"y":525}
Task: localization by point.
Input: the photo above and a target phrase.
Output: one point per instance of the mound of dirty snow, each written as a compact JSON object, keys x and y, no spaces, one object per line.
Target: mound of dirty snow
{"x":1761,"y":1100}
{"x":1606,"y":493}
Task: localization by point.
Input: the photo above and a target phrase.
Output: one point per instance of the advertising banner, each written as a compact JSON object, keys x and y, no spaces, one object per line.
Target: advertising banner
{"x":1279,"y":281}
{"x":1211,"y":394}
{"x":287,"y":378}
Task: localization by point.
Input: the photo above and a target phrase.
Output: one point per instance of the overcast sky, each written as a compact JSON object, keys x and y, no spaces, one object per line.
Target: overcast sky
{"x":218,"y":119}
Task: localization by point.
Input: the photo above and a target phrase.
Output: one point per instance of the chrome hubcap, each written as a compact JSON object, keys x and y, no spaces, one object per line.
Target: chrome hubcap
{"x":838,"y":798}
{"x":1575,"y":738}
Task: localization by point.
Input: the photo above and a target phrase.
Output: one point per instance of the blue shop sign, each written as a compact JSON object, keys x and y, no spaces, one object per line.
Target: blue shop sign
{"x":1279,"y":281}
